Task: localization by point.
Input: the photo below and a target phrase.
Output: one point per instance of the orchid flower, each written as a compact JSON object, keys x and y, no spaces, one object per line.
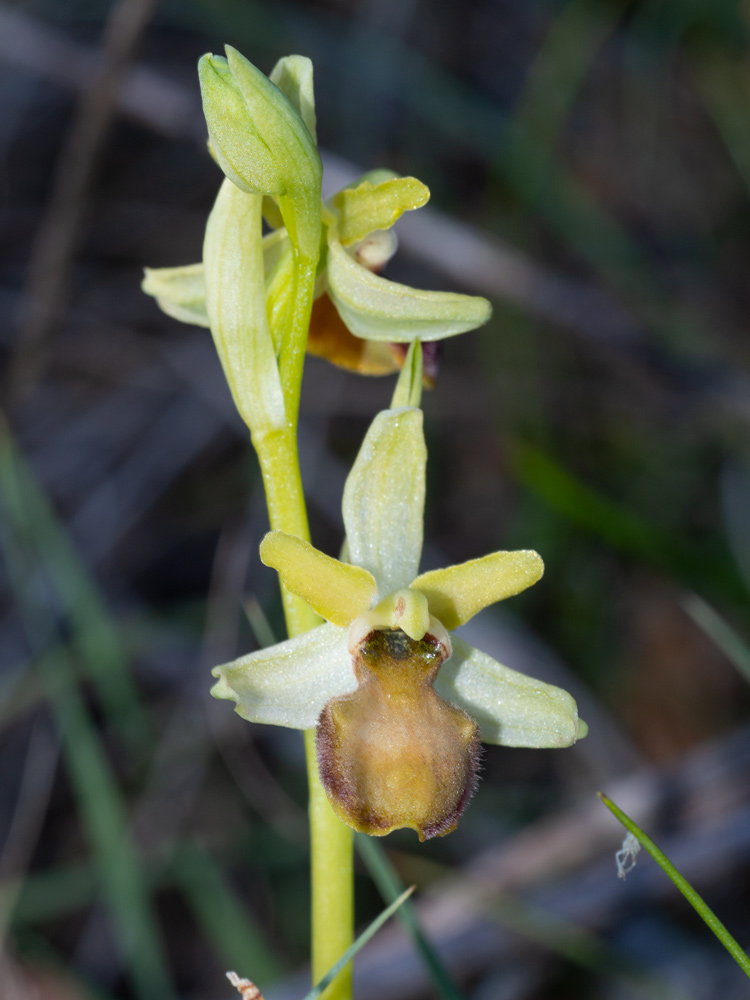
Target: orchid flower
{"x":359,"y":319}
{"x":399,"y":705}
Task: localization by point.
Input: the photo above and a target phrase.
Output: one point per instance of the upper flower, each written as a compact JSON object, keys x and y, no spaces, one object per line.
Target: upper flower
{"x":399,"y":705}
{"x":262,"y":134}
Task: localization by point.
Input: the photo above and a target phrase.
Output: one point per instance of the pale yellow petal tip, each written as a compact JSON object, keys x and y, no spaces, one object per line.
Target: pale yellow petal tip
{"x":221,"y":688}
{"x":583,"y":730}
{"x":269,"y":547}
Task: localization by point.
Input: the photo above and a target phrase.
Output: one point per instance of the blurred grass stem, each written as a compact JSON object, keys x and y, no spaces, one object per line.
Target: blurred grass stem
{"x":697,"y":902}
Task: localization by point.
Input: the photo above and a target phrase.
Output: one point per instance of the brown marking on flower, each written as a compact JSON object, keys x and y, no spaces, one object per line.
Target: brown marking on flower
{"x":393,"y":754}
{"x":330,"y":338}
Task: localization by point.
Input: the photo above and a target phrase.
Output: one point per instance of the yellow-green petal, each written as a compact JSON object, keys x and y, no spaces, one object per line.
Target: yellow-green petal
{"x":383,"y":502}
{"x":180,"y":292}
{"x":339,"y":592}
{"x":512,"y":710}
{"x":371,"y":206}
{"x":235,"y":302}
{"x":377,"y":309}
{"x":457,"y":593}
{"x":289,"y":684}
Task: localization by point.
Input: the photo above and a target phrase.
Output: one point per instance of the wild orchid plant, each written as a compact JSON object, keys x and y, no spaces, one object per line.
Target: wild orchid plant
{"x":392,"y":707}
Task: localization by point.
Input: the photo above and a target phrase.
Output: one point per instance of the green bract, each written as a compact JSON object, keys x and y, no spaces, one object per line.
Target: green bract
{"x":291,"y":684}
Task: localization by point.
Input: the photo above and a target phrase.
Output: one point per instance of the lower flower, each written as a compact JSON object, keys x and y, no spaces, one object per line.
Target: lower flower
{"x":399,"y":705}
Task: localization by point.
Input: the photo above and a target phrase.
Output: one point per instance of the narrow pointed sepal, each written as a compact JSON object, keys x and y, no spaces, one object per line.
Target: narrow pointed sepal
{"x":293,"y":75}
{"x":457,"y":593}
{"x":288,"y":684}
{"x":384,"y":499}
{"x":511,"y":709}
{"x":408,"y":391}
{"x":180,"y":292}
{"x":338,"y":591}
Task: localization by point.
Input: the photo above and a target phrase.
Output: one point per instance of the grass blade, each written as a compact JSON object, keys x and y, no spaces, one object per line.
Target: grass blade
{"x":389,"y":886}
{"x":699,"y":905}
{"x":361,"y":941}
{"x":100,"y":804}
{"x":94,"y":636}
{"x":236,"y":938}
{"x":732,"y":645}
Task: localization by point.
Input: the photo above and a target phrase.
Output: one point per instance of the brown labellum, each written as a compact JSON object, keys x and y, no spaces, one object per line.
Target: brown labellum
{"x":393,"y":754}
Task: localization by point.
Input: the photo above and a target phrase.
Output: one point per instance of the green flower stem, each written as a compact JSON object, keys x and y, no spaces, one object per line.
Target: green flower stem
{"x":331,"y":843}
{"x":279,"y":466}
{"x":332,"y":849}
{"x":292,"y":356}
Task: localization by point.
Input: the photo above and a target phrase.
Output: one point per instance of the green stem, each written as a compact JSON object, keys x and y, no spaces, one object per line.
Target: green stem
{"x":332,"y":871}
{"x":292,"y":357}
{"x":331,"y":843}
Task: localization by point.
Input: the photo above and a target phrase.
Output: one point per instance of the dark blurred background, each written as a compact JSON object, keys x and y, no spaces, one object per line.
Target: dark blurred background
{"x":589,"y":163}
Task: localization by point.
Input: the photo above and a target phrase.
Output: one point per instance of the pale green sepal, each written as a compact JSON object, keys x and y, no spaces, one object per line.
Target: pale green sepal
{"x":408,"y":391}
{"x":235,"y":302}
{"x":401,"y":610}
{"x":289,"y":684}
{"x":371,"y":206}
{"x":384,"y":499}
{"x":338,"y":591}
{"x":281,"y":127}
{"x":245,"y":156}
{"x":376,"y":309}
{"x":457,"y":593}
{"x":511,"y":709}
{"x":180,"y":292}
{"x":293,"y":75}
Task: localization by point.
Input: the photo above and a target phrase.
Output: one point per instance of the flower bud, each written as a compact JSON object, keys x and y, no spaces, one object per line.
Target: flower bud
{"x":393,"y":754}
{"x":262,"y":142}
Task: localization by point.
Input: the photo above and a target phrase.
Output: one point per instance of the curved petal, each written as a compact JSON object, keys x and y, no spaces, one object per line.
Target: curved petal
{"x":384,"y":499}
{"x":377,"y":309}
{"x":338,"y":591}
{"x":512,"y":710}
{"x":368,"y":207}
{"x":288,"y":684}
{"x":457,"y":593}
